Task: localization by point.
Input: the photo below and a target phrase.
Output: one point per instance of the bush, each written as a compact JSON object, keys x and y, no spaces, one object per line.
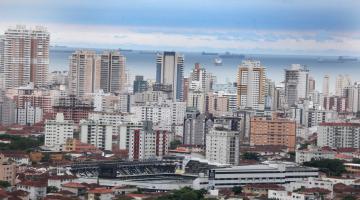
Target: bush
{"x":332,"y":167}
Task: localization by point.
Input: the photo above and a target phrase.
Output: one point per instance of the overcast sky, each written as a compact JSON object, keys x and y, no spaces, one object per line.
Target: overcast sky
{"x":321,"y":27}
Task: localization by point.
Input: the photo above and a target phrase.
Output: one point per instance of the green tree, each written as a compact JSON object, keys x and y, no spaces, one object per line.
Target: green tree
{"x":52,"y":189}
{"x":356,"y":160}
{"x":292,"y":155}
{"x":4,"y":184}
{"x":237,"y":190}
{"x":174,"y":144}
{"x":184,"y":193}
{"x":250,"y":156}
{"x":349,"y":197}
{"x":332,"y":167}
{"x":20,"y":143}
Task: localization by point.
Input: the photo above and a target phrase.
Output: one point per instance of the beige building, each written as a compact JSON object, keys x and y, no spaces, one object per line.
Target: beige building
{"x":196,"y":99}
{"x":84,"y":73}
{"x":217,"y":105}
{"x":326,"y":86}
{"x":26,"y":56}
{"x":7,"y":170}
{"x":251,"y":85}
{"x":112,"y":72}
{"x":275,"y":131}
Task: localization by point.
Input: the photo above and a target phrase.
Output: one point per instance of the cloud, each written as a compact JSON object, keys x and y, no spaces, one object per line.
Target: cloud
{"x":243,"y":41}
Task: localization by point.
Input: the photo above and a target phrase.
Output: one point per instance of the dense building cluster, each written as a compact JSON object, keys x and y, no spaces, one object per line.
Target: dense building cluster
{"x":251,"y":133}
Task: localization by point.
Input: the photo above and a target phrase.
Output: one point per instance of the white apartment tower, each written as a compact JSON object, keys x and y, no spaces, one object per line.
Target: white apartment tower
{"x":170,"y":71}
{"x":57,"y":132}
{"x":296,"y":84}
{"x":28,"y":114}
{"x":148,"y":143}
{"x":222,"y":146}
{"x":339,"y":135}
{"x":341,"y":82}
{"x":326,"y":86}
{"x":96,"y":133}
{"x":25,"y":56}
{"x":2,"y":43}
{"x":251,"y":85}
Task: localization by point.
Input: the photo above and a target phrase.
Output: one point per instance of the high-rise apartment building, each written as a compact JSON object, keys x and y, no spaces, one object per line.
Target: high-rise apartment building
{"x":352,"y":94}
{"x":25,"y":56}
{"x":170,"y":71}
{"x":337,"y":103}
{"x":73,"y":108}
{"x":222,"y":145}
{"x":28,"y":114}
{"x":202,"y":79}
{"x":140,"y":85}
{"x":8,"y":170}
{"x":296,"y":83}
{"x":96,"y":133}
{"x":2,"y":45}
{"x":196,"y":99}
{"x":251,"y":85}
{"x":84,"y":73}
{"x":148,"y":143}
{"x":218,"y":104}
{"x":194,"y":128}
{"x":112,"y":72}
{"x":311,"y":85}
{"x":339,"y":134}
{"x":326,"y":86}
{"x":276,"y":131}
{"x":57,"y":132}
{"x":341,"y":82}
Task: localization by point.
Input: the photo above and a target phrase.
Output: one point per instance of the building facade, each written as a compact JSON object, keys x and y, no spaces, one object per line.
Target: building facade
{"x":112,"y":72}
{"x":57,"y":132}
{"x":251,"y":85}
{"x":296,"y":84}
{"x":222,"y":145}
{"x":26,"y":56}
{"x":170,"y":71}
{"x":339,"y":134}
{"x":276,"y":131}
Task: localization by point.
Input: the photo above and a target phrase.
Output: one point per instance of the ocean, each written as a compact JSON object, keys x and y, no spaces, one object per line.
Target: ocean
{"x":140,"y":63}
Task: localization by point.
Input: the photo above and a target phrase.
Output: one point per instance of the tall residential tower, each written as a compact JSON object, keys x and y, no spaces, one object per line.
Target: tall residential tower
{"x":170,"y":71}
{"x":112,"y":72}
{"x":251,"y":85}
{"x":25,"y":56}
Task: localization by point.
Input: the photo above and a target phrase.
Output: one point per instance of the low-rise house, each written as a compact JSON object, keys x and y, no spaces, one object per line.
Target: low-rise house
{"x":77,"y":188}
{"x":303,"y":195}
{"x":7,"y":170}
{"x":306,"y":155}
{"x":342,"y":190}
{"x":100,"y":194}
{"x":57,"y":180}
{"x":123,"y":190}
{"x":36,"y":189}
{"x":352,"y":168}
{"x":20,"y":158}
{"x":259,"y":190}
{"x":19,"y":194}
{"x":310,"y":183}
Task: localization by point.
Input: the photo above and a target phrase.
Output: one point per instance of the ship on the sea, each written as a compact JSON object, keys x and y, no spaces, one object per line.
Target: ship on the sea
{"x":125,"y":50}
{"x":232,"y":55}
{"x":340,"y":59}
{"x":218,"y":61}
{"x":209,"y":53}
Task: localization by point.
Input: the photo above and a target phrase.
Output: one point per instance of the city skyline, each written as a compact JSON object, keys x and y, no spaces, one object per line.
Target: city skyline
{"x":179,"y":100}
{"x":272,"y":27}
